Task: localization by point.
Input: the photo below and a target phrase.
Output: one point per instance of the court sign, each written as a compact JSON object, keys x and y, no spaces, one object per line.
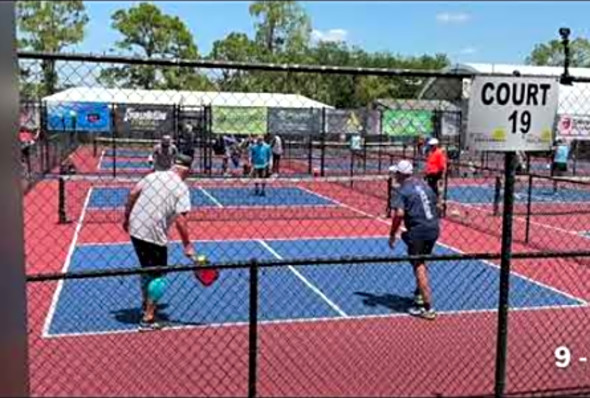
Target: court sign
{"x":512,"y":113}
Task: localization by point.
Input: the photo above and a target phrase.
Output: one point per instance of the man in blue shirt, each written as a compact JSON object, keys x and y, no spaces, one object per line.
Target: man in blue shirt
{"x":562,"y":150}
{"x":260,"y":154}
{"x":415,"y":204}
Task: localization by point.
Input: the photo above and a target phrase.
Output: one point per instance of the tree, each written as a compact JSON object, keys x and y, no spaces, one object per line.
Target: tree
{"x":551,"y":53}
{"x":49,"y":26}
{"x":149,"y":33}
{"x":282,"y":26}
{"x":235,"y":47}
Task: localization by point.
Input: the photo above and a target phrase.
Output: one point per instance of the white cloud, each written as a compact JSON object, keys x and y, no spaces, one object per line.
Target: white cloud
{"x":468,"y":51}
{"x":332,"y":35}
{"x":449,"y":17}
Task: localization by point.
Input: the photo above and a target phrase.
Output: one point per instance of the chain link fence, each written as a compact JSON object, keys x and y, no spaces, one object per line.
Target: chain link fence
{"x":312,"y":297}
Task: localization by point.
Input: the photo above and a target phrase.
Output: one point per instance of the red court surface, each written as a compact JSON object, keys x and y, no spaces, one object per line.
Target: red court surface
{"x":392,"y":355}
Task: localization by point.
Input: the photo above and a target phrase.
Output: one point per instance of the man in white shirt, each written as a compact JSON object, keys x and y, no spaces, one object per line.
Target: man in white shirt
{"x":157,"y":201}
{"x":277,"y":152}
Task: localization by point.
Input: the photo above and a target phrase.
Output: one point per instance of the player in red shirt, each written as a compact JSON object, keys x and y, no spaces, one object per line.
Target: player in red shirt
{"x":436,"y":165}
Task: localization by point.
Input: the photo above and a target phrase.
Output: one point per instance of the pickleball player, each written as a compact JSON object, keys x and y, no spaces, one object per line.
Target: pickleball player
{"x":415,"y":204}
{"x":157,"y":201}
{"x":163,"y":154}
{"x":260,"y":157}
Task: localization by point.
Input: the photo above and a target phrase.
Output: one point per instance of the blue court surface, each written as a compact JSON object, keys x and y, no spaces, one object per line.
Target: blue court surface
{"x":132,"y":153}
{"x":476,"y":194}
{"x":337,"y":291}
{"x":125,"y":164}
{"x":107,"y":198}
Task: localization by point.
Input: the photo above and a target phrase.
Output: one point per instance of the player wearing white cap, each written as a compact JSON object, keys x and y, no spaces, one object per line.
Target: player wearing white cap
{"x":415,"y":204}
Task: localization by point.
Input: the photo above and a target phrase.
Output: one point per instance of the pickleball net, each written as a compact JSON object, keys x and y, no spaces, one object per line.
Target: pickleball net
{"x":102,"y":200}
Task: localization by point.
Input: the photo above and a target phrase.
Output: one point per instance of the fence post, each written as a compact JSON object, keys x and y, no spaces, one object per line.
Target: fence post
{"x":253,"y":330}
{"x":113,"y":136}
{"x":389,"y":196}
{"x":310,"y":154}
{"x":528,"y":208}
{"x":502,"y":334}
{"x":62,"y":201}
{"x":323,"y":143}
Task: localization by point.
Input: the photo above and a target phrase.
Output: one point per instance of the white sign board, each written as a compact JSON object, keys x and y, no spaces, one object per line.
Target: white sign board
{"x":512,"y":113}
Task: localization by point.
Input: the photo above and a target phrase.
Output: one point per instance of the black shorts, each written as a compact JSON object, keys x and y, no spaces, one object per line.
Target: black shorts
{"x":417,"y":247}
{"x":559,"y":168}
{"x":432,"y":181}
{"x":261,"y":173}
{"x":150,"y":255}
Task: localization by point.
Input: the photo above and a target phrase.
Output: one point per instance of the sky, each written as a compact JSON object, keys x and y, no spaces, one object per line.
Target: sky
{"x":486,"y":32}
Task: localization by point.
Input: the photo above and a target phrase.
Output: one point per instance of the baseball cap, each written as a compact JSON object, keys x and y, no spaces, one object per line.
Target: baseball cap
{"x":403,"y":167}
{"x":433,"y":141}
{"x":183,"y":160}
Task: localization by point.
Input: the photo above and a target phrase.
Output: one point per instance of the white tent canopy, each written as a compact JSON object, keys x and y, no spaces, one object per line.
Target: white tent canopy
{"x":186,"y":98}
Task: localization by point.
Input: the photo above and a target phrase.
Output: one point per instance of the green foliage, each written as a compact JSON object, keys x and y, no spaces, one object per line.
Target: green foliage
{"x":551,"y":53}
{"x":149,"y":33}
{"x":281,"y":26}
{"x":48,"y":26}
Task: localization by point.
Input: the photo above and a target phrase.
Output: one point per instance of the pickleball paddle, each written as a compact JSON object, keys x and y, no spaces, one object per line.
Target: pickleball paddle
{"x":206,"y":276}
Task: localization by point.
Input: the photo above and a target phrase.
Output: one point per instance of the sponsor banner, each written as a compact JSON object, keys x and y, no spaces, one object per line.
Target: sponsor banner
{"x":407,"y":123}
{"x":574,"y":127}
{"x":144,"y":121}
{"x":294,"y":121}
{"x":239,"y":120}
{"x":345,"y":121}
{"x":450,"y":124}
{"x":79,"y":116}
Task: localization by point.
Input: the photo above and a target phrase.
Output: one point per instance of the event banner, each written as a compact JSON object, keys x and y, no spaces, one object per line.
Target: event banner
{"x":574,"y":127}
{"x":144,"y":121}
{"x":79,"y":116}
{"x":239,"y":120}
{"x":450,"y":124}
{"x":407,"y":123}
{"x":294,"y":121}
{"x":344,"y":121}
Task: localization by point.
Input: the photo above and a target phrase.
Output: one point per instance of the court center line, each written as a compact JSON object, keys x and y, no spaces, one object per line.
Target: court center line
{"x":207,"y":194}
{"x":381,"y":220}
{"x":306,"y":281}
{"x":350,"y":318}
{"x":66,"y":266}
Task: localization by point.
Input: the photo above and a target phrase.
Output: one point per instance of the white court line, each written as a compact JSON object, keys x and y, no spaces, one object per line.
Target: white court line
{"x":207,"y":194}
{"x":65,"y":267}
{"x":381,"y":220}
{"x":99,"y":167}
{"x":245,"y":207}
{"x":306,"y":281}
{"x":308,"y":320}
